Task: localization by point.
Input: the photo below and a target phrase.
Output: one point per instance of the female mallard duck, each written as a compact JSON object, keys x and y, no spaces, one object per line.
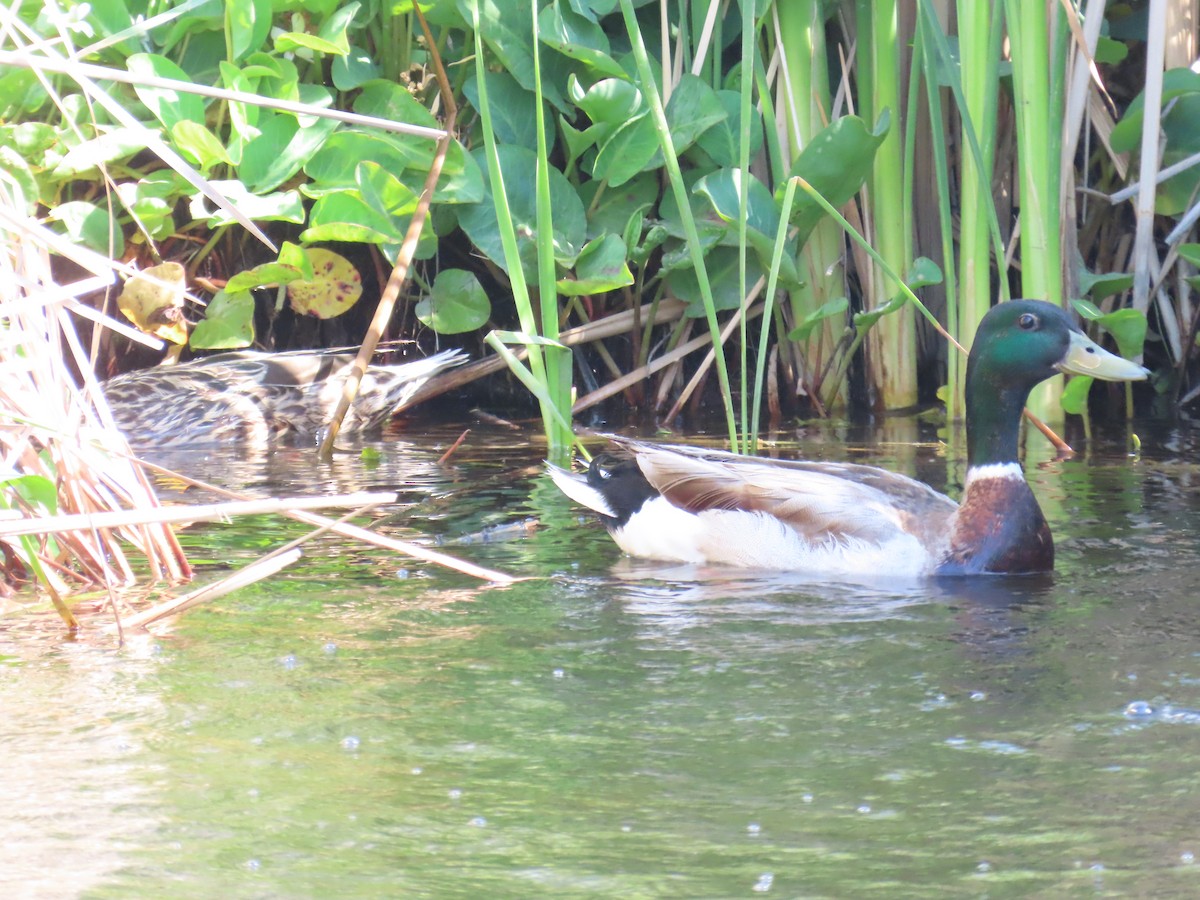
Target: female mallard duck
{"x":690,"y":505}
{"x":251,"y":397}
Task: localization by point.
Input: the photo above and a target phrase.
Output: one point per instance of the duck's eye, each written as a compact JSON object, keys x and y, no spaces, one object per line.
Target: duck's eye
{"x":1027,"y":322}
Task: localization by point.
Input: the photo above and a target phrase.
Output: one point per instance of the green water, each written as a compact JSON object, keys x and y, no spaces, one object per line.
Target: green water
{"x":366,"y":726}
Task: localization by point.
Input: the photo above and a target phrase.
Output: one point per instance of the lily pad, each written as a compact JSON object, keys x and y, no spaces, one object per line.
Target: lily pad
{"x":456,"y":304}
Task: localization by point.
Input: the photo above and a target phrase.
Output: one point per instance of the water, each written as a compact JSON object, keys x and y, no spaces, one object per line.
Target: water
{"x":369,"y":726}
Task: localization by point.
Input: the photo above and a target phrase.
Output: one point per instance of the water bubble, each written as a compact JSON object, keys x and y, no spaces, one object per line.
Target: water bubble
{"x":350,"y":742}
{"x":1139,"y":709}
{"x":402,"y":574}
{"x":765,"y":880}
{"x":753,"y":828}
{"x":863,"y":808}
{"x":1132,"y":676}
{"x":454,"y":793}
{"x":330,"y":648}
{"x":978,"y":696}
{"x":806,"y":798}
{"x":558,"y":673}
{"x":253,"y":792}
{"x":289,"y":661}
{"x":186,"y":723}
{"x":1187,"y":857}
{"x":983,"y":867}
{"x":417,"y":770}
{"x":252,"y":865}
{"x":478,"y":821}
{"x":256,"y":741}
{"x":626,"y":828}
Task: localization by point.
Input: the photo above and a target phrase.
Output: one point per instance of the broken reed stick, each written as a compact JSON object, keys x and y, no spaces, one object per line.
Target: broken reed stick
{"x":404,"y":257}
{"x":597,"y":330}
{"x":264,"y":567}
{"x":256,"y":571}
{"x":174,"y":514}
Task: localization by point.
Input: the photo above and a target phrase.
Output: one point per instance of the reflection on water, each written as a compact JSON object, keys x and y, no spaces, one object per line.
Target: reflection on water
{"x":366,"y":726}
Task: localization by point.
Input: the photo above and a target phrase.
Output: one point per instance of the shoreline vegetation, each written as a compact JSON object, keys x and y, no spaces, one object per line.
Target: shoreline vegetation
{"x":588,"y":197}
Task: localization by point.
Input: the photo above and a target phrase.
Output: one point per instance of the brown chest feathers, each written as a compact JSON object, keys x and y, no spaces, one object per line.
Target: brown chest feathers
{"x":1000,"y":529}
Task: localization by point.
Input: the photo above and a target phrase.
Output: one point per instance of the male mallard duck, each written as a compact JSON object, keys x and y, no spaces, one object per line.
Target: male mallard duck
{"x":690,"y":505}
{"x":251,"y":397}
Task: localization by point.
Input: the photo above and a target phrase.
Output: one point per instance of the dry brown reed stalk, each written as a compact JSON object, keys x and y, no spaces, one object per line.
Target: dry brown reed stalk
{"x":52,"y":429}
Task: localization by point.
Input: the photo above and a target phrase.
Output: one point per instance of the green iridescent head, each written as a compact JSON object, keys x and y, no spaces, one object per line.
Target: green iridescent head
{"x":1020,"y":343}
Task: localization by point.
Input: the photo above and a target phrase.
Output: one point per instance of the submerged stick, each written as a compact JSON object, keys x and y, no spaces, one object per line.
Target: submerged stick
{"x":256,"y":571}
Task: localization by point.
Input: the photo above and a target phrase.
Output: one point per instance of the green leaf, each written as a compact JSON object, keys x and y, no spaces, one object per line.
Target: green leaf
{"x":152,"y":200}
{"x":1127,"y":133}
{"x":290,"y":41}
{"x":628,"y":151}
{"x":514,"y":109}
{"x":280,"y":150}
{"x":864,"y":320}
{"x":281,"y":206}
{"x":837,"y":161}
{"x":1101,"y":285}
{"x":119,"y":143}
{"x":393,"y":199}
{"x":248,"y":23}
{"x":14,"y":168}
{"x":578,"y":38}
{"x":335,"y":25}
{"x":353,"y":70}
{"x":387,"y":100}
{"x":610,"y":214}
{"x":1075,"y":394}
{"x":345,"y":216}
{"x":519,"y":165}
{"x":293,"y":265}
{"x":30,"y":139}
{"x":723,"y":277}
{"x":168,"y":106}
{"x":722,"y":188}
{"x":1127,"y":326}
{"x":457,"y":303}
{"x":21,"y":94}
{"x":694,"y":108}
{"x":37,"y":491}
{"x":228,"y":322}
{"x":601,"y":267}
{"x":333,"y":166}
{"x":923,"y":272}
{"x":829,"y":310}
{"x":610,"y":104}
{"x":199,"y":144}
{"x":521,"y":339}
{"x":1191,"y":253}
{"x":90,"y":225}
{"x":506,"y":27}
{"x":722,"y":142}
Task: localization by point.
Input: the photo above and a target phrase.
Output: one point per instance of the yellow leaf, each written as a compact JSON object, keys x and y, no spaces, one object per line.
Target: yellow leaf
{"x":336,"y":286}
{"x":153,"y":301}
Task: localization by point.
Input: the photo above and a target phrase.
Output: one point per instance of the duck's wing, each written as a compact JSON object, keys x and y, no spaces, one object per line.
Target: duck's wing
{"x":817,"y":499}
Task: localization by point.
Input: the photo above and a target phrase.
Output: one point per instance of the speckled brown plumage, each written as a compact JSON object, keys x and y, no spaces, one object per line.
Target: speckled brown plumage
{"x":253,"y":398}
